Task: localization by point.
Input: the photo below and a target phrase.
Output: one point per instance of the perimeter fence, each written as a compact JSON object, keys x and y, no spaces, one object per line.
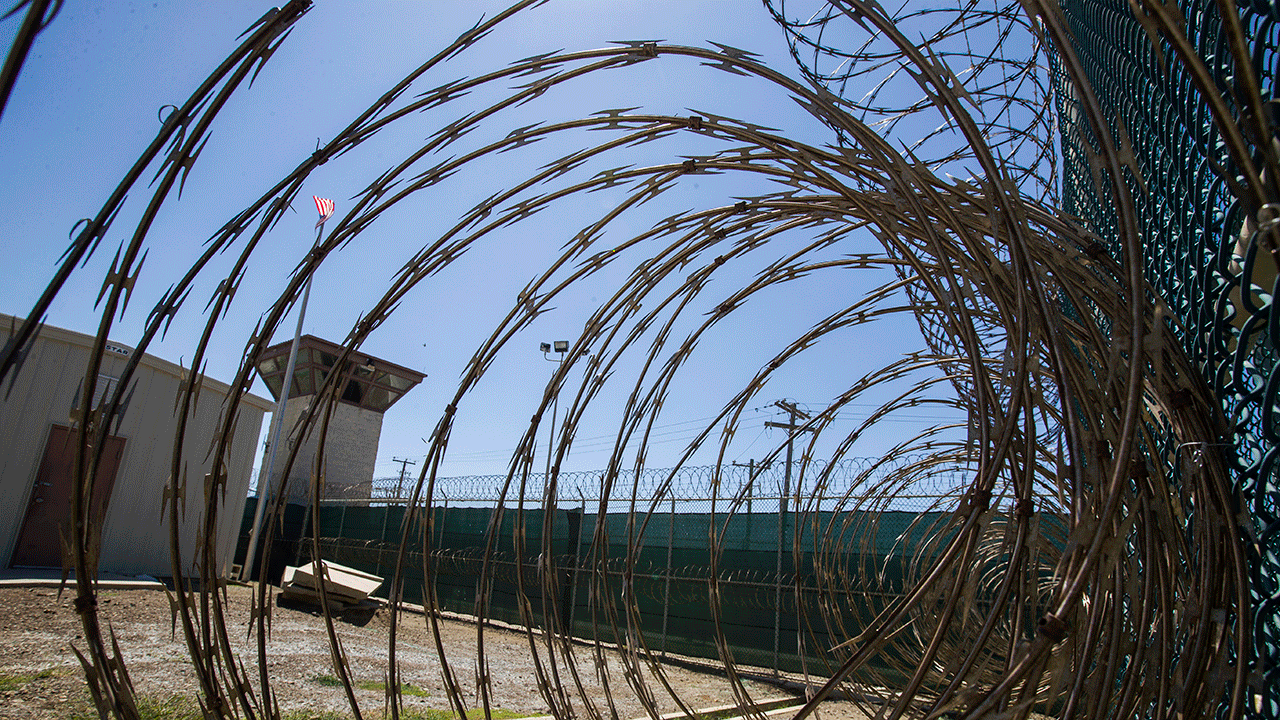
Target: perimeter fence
{"x":1204,"y":246}
{"x":669,"y":559}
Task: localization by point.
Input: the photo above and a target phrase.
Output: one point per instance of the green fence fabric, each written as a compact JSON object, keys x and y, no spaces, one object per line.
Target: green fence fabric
{"x":286,"y":535}
{"x":782,"y":589}
{"x":770,"y":604}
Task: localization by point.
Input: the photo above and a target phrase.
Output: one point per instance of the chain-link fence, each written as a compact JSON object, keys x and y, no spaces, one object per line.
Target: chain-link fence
{"x":1205,"y":245}
{"x":766,"y":552}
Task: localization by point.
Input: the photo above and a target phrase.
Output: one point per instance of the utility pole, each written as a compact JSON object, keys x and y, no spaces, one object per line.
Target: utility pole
{"x":403,"y":462}
{"x":791,"y":428}
{"x":751,"y":479}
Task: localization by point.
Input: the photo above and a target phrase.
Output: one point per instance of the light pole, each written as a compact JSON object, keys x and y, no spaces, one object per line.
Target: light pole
{"x":325,"y":207}
{"x":562,"y":347}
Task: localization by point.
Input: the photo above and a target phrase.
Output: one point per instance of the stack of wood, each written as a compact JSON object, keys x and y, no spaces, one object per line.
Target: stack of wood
{"x":344,"y":586}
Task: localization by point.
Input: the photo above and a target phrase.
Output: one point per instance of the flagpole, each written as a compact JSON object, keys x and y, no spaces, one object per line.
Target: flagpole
{"x":264,"y":474}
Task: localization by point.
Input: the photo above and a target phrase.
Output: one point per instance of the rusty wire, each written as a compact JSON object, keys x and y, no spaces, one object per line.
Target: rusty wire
{"x":1064,"y":577}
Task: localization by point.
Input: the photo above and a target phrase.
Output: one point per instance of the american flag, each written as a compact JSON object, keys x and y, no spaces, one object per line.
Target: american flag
{"x":325,"y":208}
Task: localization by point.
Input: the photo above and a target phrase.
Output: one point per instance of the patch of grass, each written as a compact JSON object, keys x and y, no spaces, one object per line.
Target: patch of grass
{"x":407,"y":689}
{"x":174,"y":707}
{"x":327,"y":680}
{"x":412,"y":690}
{"x":428,"y":714}
{"x":314,"y":715}
{"x":472,"y":714}
{"x":17,"y":681}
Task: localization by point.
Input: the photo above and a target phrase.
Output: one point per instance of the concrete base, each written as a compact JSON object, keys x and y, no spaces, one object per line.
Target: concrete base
{"x":51,"y":578}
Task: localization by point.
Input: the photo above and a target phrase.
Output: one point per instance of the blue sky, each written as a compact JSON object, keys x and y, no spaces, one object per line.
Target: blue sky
{"x":86,"y":105}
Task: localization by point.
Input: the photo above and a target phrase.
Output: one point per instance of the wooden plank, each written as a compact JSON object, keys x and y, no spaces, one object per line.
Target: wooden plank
{"x":343,"y":582}
{"x":298,"y":593}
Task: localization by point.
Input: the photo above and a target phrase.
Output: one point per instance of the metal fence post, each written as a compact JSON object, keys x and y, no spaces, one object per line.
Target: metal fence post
{"x":568,"y":590}
{"x":306,"y":529}
{"x":444,"y":509}
{"x":577,"y":562}
{"x":666,"y":593}
{"x":777,"y":584}
{"x":386,"y":511}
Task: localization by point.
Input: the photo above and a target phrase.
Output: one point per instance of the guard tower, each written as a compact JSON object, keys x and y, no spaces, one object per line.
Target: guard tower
{"x":368,"y":386}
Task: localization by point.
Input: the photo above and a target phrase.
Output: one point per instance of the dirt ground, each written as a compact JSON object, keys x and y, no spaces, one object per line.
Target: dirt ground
{"x":41,"y":678}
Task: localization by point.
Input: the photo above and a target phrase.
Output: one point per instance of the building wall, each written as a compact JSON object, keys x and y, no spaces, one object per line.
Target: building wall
{"x":350,"y":453}
{"x":135,"y":532}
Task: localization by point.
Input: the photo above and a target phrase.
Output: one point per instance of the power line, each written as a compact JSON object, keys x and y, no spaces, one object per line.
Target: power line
{"x":585,"y":443}
{"x":662,"y":434}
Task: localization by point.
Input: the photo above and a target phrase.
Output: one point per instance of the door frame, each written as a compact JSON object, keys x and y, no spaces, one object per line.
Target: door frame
{"x":51,"y":436}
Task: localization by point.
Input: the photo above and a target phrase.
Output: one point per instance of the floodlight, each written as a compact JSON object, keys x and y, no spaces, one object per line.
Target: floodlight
{"x":545,"y":347}
{"x":562,"y":346}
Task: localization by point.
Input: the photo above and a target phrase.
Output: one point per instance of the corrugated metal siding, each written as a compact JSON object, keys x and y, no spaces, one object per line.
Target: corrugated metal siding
{"x":35,"y":401}
{"x":135,"y":535}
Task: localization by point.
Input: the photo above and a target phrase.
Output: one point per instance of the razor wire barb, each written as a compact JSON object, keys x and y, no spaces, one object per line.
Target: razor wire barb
{"x":1067,"y":574}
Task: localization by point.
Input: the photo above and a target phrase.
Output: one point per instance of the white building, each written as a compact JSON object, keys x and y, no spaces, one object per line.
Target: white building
{"x":35,"y":459}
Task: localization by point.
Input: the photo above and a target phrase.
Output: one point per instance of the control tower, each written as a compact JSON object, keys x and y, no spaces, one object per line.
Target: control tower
{"x":368,"y":386}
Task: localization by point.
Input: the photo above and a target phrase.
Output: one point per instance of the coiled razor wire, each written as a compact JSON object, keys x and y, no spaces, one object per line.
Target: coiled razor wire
{"x":686,"y":483}
{"x":1092,"y":564}
{"x":1188,"y":93}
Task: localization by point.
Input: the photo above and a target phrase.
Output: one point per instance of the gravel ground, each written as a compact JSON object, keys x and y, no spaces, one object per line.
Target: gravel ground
{"x":41,"y":678}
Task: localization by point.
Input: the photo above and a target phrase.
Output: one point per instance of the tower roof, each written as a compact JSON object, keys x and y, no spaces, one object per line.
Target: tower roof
{"x":367,"y":381}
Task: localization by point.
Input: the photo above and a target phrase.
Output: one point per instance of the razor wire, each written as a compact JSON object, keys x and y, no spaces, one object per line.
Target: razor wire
{"x":1149,"y":68}
{"x":1079,"y":570}
{"x":688,"y":483}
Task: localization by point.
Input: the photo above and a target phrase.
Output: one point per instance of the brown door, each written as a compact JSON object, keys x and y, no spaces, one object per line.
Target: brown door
{"x":39,"y":543}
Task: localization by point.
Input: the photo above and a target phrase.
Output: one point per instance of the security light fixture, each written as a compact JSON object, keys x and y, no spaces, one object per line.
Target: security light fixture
{"x":562,"y":347}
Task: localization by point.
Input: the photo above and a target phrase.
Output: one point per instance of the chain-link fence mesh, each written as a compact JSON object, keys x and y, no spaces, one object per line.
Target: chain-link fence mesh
{"x":1203,"y":247}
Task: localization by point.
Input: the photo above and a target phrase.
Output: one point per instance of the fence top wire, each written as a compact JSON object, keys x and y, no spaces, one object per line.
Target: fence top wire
{"x":826,"y":483}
